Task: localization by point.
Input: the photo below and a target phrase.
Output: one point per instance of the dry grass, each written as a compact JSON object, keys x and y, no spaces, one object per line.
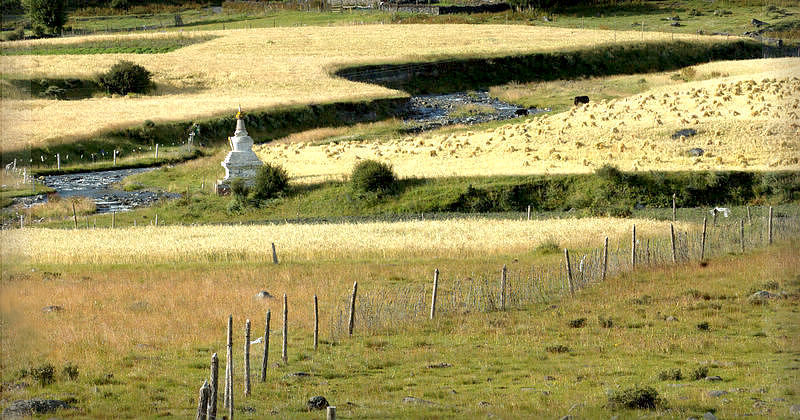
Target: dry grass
{"x":261,"y":68}
{"x":748,"y":120}
{"x":302,"y":243}
{"x":59,"y":208}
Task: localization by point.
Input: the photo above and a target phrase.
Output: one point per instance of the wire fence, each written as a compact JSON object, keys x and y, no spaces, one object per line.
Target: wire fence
{"x":383,"y":310}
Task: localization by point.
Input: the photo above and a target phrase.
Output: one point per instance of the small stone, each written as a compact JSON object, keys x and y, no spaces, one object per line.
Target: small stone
{"x":713,"y":378}
{"x":317,"y":403}
{"x":717,"y":393}
{"x":709,"y":416}
{"x":52,"y":308}
{"x":795,"y":410}
{"x":484,"y":404}
{"x":762,"y":294}
{"x":415,"y":400}
{"x":264,"y":295}
{"x":685,"y":132}
{"x":299,"y":374}
{"x":24,"y":408}
{"x":696,"y":152}
{"x":671,"y":319}
{"x":549,"y":378}
{"x":439,"y":365}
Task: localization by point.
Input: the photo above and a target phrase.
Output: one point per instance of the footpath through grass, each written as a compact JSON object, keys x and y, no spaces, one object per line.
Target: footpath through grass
{"x":689,"y":332}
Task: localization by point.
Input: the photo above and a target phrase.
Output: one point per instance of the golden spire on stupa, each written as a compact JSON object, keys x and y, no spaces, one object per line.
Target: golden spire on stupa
{"x":239,"y":114}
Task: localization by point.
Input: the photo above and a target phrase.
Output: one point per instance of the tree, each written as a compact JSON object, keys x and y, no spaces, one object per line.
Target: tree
{"x":50,"y":14}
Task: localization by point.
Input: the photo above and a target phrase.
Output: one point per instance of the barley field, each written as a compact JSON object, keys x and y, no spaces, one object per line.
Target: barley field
{"x":311,"y":242}
{"x":261,"y":68}
{"x":747,"y":117}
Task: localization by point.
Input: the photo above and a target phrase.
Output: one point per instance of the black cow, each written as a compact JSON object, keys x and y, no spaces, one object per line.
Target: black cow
{"x":581,"y":100}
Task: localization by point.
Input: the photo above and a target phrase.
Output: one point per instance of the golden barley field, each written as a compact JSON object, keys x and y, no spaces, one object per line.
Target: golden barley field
{"x":311,"y":242}
{"x":747,"y":119}
{"x":261,"y":68}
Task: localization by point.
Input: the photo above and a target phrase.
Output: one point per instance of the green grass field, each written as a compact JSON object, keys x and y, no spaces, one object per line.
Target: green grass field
{"x":560,"y":357}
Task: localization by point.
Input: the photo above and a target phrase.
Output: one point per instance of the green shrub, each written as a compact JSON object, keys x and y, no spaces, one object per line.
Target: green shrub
{"x":125,"y":77}
{"x":372,"y":176}
{"x":70,"y":372}
{"x":54,"y":92}
{"x":577,"y":323}
{"x":646,"y":398}
{"x":558,"y":348}
{"x":270,"y":181}
{"x":14,"y":35}
{"x":670,"y":375}
{"x":547,"y":247}
{"x":44,"y":374}
{"x":700,"y":373}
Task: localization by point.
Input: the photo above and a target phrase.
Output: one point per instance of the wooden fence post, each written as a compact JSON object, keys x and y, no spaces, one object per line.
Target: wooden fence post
{"x":284,"y":350}
{"x":115,"y":158}
{"x":156,"y":150}
{"x":58,"y":161}
{"x":156,"y":220}
{"x":212,"y":399}
{"x":749,"y":218}
{"x":674,"y":208}
{"x":703,"y":239}
{"x":435,"y":289}
{"x":741,"y":233}
{"x":202,"y":403}
{"x":274,"y":254}
{"x":769,"y":226}
{"x":352,"y":318}
{"x":569,"y":273}
{"x":714,"y":213}
{"x":672,"y":241}
{"x":316,"y":323}
{"x":113,"y":219}
{"x":247,"y":358}
{"x":503,"y":288}
{"x":529,"y":212}
{"x":266,"y":350}
{"x":228,"y":397}
{"x":633,"y":248}
{"x":87,"y":221}
{"x":331,"y":413}
{"x":605,"y":259}
{"x":647,"y":251}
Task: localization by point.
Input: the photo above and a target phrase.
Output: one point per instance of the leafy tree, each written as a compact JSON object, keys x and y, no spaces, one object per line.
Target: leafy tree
{"x":126,"y":77}
{"x":48,"y":14}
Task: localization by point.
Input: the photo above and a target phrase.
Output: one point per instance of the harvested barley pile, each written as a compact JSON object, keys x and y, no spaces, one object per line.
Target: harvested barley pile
{"x":750,"y":120}
{"x":328,"y":242}
{"x":260,"y":68}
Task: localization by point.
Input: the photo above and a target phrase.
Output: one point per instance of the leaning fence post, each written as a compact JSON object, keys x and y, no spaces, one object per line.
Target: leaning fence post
{"x":633,"y":248}
{"x":212,"y":399}
{"x":202,"y":403}
{"x":352,"y":318}
{"x":284,"y":350}
{"x":274,"y":254}
{"x":247,"y":358}
{"x":266,"y":350}
{"x":703,"y":240}
{"x":674,"y":208}
{"x":435,"y":289}
{"x":741,"y":233}
{"x":316,"y":323}
{"x":503,"y":288}
{"x":769,"y":226}
{"x":605,"y":259}
{"x":714,"y":212}
{"x":569,"y":273}
{"x":331,"y":413}
{"x":74,"y":215}
{"x":672,"y":241}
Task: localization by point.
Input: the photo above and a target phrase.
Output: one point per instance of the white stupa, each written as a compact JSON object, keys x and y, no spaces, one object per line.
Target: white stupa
{"x":241,"y":162}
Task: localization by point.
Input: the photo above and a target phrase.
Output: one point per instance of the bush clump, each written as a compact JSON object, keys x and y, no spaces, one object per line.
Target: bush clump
{"x":372,"y":176}
{"x":558,"y":348}
{"x":670,"y":375}
{"x":270,"y":181}
{"x":700,"y":373}
{"x":126,"y":77}
{"x":646,"y":398}
{"x":577,"y":323}
{"x":44,"y":374}
{"x":70,"y":371}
